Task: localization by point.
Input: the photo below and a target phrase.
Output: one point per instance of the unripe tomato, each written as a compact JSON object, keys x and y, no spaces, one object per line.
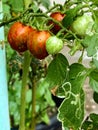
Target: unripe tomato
{"x":59,"y":17}
{"x":18,"y":36}
{"x":37,"y":43}
{"x":83,"y":25}
{"x":54,"y":45}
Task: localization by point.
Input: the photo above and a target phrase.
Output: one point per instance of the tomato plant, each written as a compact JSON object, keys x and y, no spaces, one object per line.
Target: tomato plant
{"x":18,"y":36}
{"x":57,"y":63}
{"x":37,"y":43}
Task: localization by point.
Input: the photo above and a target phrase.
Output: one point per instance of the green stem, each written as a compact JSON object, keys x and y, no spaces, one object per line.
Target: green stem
{"x":3,"y":23}
{"x":33,"y":123}
{"x":52,"y":8}
{"x":26,"y":65}
{"x":81,"y":57}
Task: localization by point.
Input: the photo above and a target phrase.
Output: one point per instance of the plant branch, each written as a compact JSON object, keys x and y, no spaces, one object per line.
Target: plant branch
{"x":3,"y":23}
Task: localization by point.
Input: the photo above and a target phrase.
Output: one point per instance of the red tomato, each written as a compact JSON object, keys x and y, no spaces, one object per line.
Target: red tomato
{"x":18,"y":36}
{"x":59,"y":17}
{"x":37,"y":43}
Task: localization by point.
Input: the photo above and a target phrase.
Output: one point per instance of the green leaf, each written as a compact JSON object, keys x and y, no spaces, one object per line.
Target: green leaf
{"x":93,"y":84}
{"x":87,"y":125}
{"x":4,"y":1}
{"x":95,"y":1}
{"x":94,"y":117}
{"x":71,"y":113}
{"x":57,"y":71}
{"x":96,"y":21}
{"x":94,"y":75}
{"x":77,"y":76}
{"x":43,"y":92}
{"x":70,"y":15}
{"x":34,"y":6}
{"x":45,"y":118}
{"x":95,"y":97}
{"x":6,"y":8}
{"x":95,"y":60}
{"x":93,"y":81}
{"x":74,"y":102}
{"x":91,"y":123}
{"x":16,"y":6}
{"x":29,"y":96}
{"x":92,"y":44}
{"x":17,"y":117}
{"x":46,"y":3}
{"x":48,"y":98}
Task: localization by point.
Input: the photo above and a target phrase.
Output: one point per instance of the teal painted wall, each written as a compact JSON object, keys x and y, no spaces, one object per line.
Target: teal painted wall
{"x":4,"y":110}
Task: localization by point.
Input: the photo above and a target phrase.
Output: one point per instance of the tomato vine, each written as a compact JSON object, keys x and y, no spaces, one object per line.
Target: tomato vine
{"x":74,"y":27}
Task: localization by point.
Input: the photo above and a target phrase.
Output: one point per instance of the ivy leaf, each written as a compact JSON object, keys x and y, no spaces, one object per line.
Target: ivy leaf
{"x":74,"y":103}
{"x":57,"y":71}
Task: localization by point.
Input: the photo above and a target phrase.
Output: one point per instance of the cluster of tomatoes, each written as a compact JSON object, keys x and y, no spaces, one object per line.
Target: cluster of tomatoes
{"x":40,"y":43}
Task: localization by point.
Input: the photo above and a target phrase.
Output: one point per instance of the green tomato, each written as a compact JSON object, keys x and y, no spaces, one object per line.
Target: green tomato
{"x":83,"y":25}
{"x":54,"y":45}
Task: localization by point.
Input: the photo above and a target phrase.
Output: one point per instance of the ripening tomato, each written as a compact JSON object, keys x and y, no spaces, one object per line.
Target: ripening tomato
{"x":37,"y":43}
{"x":18,"y":36}
{"x":56,"y":16}
{"x":83,"y":25}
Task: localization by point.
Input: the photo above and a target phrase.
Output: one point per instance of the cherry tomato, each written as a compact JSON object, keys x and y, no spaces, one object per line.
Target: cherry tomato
{"x":83,"y":25}
{"x":37,"y":43}
{"x":54,"y":45}
{"x":57,"y":16}
{"x":18,"y":36}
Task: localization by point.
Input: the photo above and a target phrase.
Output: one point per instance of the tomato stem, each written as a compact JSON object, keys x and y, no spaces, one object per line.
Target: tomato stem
{"x":26,"y":65}
{"x":52,"y":8}
{"x":81,"y":57}
{"x":33,"y":123}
